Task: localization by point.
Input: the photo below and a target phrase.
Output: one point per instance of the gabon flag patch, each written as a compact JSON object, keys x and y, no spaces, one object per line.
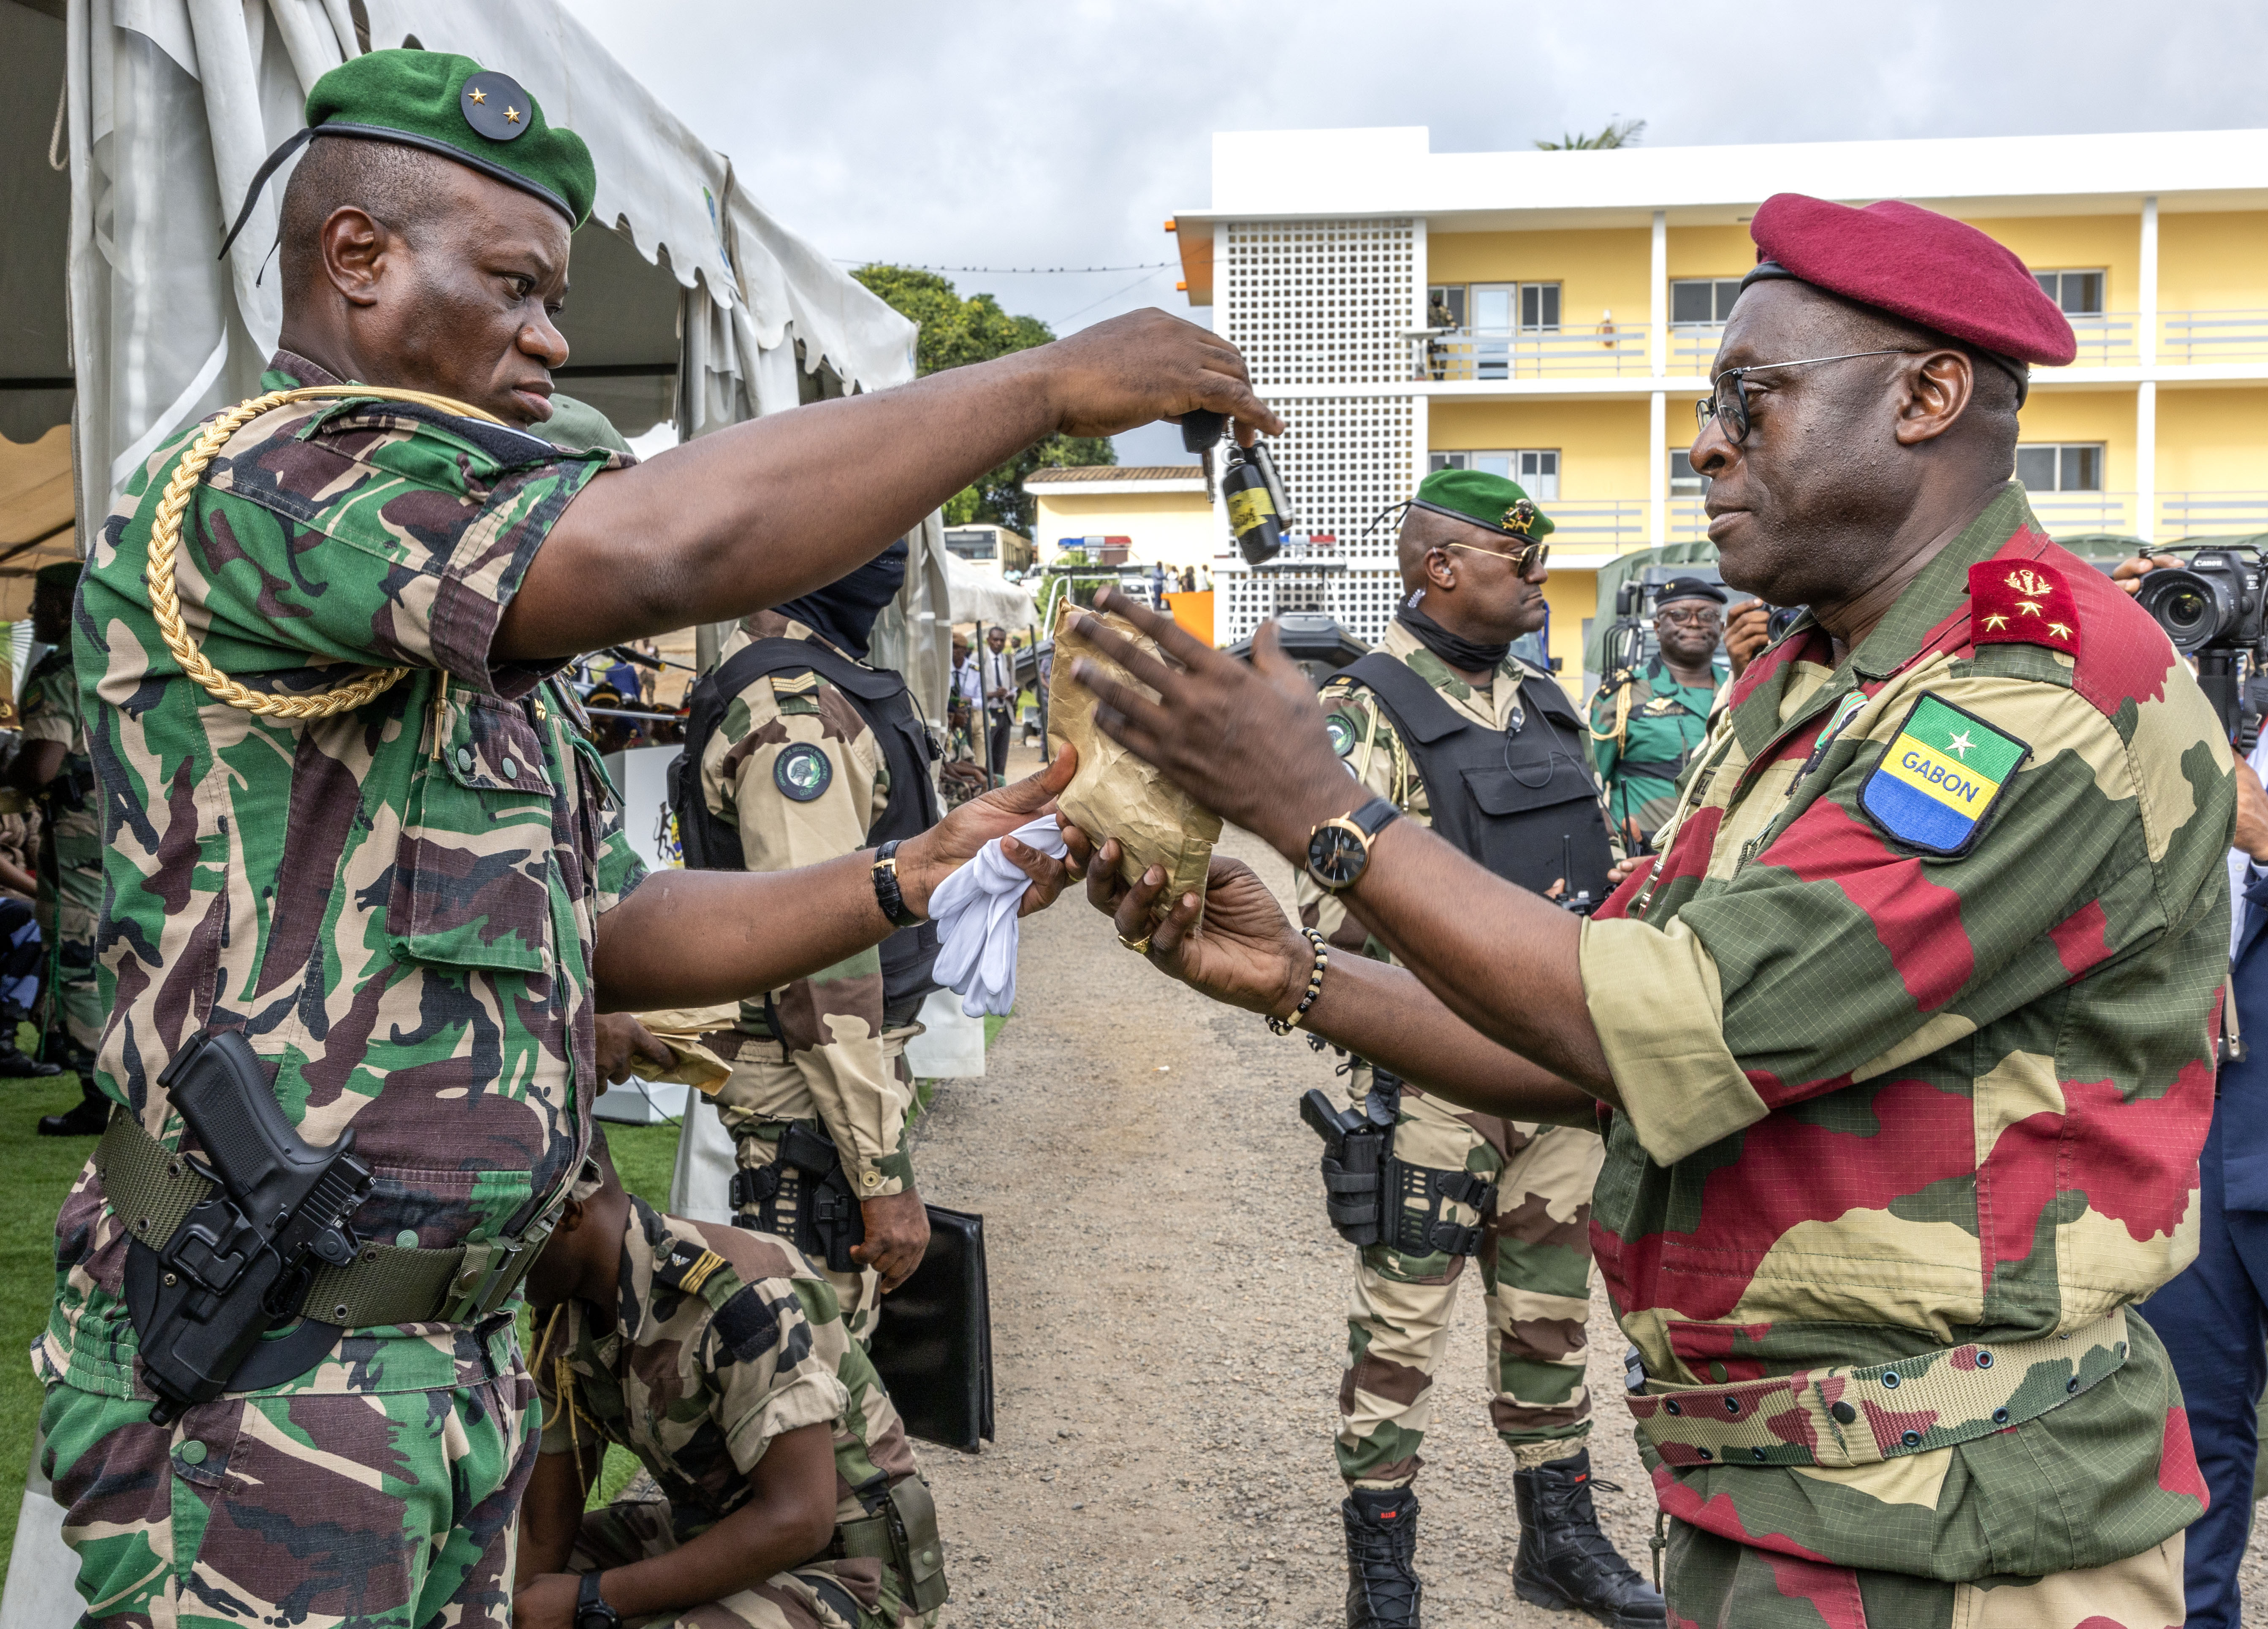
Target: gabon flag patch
{"x":1940,"y":779}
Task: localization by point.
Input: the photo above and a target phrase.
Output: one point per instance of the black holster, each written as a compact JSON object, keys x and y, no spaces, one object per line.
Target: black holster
{"x":804,"y":1196}
{"x":1372,"y":1197}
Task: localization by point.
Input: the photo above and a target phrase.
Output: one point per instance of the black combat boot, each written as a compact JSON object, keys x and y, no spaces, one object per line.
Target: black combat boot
{"x":1564,"y":1561}
{"x":1381,"y":1536}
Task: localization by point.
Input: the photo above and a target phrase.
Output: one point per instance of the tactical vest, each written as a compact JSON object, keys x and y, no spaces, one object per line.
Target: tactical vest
{"x":882,"y":699}
{"x":1525,"y":805}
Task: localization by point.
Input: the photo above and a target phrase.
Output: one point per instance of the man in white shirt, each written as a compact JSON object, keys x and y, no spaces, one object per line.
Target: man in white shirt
{"x":999,"y":701}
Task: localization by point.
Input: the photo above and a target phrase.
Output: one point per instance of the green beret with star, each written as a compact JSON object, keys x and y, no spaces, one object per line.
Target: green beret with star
{"x":1485,"y":500}
{"x":451,"y":106}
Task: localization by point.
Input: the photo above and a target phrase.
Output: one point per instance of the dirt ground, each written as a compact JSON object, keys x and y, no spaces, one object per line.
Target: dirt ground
{"x":1168,"y":1306}
{"x":1168,"y":1324}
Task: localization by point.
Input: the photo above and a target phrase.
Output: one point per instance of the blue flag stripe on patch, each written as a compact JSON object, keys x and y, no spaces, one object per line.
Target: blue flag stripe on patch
{"x":1914,"y":815}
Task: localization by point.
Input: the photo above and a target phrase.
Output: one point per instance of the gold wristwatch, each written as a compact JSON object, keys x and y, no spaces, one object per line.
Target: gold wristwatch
{"x":1338,"y":850}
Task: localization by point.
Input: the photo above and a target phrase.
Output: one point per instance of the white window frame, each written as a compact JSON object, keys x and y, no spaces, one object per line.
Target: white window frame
{"x":2061,"y":449}
{"x":1692,"y":483}
{"x":1516,"y":304}
{"x":1717,"y":286}
{"x":1508,"y":462}
{"x":2102,"y":288}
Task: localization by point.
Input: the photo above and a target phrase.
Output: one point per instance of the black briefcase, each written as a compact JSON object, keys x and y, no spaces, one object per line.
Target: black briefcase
{"x":932,"y":1342}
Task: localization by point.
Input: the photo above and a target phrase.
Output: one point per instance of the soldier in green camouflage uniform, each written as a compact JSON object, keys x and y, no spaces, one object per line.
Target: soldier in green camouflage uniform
{"x":54,"y":766}
{"x":1646,"y":722}
{"x":799,"y":772}
{"x":720,"y":1359}
{"x":406,"y":907}
{"x":1906,"y":1043}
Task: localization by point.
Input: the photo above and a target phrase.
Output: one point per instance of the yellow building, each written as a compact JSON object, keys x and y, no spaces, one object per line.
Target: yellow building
{"x":1162,"y":512}
{"x":1552,"y":315}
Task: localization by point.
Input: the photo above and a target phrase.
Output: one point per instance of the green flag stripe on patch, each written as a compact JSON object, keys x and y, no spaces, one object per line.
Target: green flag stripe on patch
{"x":1969,"y":742}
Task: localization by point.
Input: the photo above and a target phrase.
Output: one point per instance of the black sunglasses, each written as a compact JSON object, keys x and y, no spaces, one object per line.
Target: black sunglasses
{"x":1728,"y":402}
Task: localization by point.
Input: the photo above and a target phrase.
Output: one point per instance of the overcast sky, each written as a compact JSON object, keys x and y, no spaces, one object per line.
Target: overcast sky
{"x":985,"y":133}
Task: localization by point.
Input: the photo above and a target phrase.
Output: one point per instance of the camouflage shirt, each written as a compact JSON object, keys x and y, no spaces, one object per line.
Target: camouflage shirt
{"x":1894,"y":1086}
{"x":721,"y":1340}
{"x":51,"y":712}
{"x":397,"y":904}
{"x":1640,"y":763}
{"x":797,"y":770}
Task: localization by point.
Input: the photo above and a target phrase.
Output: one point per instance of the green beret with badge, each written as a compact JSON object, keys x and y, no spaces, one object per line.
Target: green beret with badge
{"x":1485,"y":500}
{"x":448,"y":105}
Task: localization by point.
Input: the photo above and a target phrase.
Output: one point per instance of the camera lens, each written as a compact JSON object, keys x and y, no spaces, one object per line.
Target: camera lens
{"x":2194,"y":607}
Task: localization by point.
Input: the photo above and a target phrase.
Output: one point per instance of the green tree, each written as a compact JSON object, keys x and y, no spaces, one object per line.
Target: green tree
{"x":954,"y":333}
{"x":1618,"y":133}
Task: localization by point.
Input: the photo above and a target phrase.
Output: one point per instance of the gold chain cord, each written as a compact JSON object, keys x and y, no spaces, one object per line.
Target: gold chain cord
{"x":165,"y":535}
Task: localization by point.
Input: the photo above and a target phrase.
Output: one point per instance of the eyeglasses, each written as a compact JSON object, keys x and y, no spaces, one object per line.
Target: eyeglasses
{"x":1691,"y":619}
{"x":1728,"y":402}
{"x":1524,"y":559}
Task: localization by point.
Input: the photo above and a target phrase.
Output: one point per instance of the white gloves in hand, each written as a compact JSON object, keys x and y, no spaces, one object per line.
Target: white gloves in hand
{"x":975,"y":909}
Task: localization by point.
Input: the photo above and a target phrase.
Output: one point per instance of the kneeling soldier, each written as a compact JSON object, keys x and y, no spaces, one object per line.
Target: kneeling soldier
{"x":790,"y":1498}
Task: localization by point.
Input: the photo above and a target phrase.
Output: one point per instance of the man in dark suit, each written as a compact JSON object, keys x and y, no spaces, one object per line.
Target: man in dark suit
{"x":2214,"y":1318}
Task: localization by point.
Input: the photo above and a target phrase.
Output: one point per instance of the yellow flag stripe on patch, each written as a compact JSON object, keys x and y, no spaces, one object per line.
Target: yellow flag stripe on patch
{"x":1961,"y":790}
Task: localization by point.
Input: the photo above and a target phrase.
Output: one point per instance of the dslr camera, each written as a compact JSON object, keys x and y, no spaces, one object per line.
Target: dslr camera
{"x":2212,"y":610}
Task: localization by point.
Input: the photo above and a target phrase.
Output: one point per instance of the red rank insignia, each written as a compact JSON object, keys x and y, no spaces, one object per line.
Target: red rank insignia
{"x":2021,"y":602}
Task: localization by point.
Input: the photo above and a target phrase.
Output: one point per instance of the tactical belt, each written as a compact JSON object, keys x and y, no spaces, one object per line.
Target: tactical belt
{"x":151,"y":1188}
{"x":902,"y":1534}
{"x":1843,"y":1417}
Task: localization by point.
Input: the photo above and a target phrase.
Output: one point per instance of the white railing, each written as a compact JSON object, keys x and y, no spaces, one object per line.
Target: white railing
{"x":1693,"y":347}
{"x":2210,"y":514}
{"x":2066,"y":514}
{"x":2193,"y":337}
{"x":1591,"y":523}
{"x":1470,"y":355}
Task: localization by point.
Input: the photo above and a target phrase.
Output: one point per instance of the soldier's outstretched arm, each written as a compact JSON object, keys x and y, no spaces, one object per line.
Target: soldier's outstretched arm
{"x":750,"y":516}
{"x":1248,"y":954}
{"x":1250,"y":744}
{"x":695,"y":938}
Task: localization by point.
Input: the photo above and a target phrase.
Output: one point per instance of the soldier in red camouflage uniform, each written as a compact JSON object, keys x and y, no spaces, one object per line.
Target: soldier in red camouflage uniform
{"x":1904,"y":1045}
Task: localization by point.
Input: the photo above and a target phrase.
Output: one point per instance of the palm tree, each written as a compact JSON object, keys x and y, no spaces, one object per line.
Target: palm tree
{"x":1618,"y":133}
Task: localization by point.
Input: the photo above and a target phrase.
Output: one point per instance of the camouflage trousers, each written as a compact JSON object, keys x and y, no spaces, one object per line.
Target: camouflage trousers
{"x":852,"y":1594}
{"x":1535,"y":1278}
{"x":70,"y":902}
{"x":382,"y":1510}
{"x":1716,"y":1583}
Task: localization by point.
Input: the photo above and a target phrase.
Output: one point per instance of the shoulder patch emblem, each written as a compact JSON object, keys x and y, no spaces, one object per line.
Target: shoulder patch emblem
{"x":1341,"y":732}
{"x":802,"y":772}
{"x":1940,"y":777}
{"x":2011,"y":602}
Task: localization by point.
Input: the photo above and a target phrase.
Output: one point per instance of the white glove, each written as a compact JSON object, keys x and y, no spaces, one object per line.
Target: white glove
{"x":975,"y":909}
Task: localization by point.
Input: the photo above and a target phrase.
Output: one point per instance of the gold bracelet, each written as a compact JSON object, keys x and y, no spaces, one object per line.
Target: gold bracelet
{"x":1284,"y":1026}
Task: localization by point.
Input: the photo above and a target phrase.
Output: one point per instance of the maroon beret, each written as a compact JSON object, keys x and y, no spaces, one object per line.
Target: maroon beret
{"x":1917,"y":264}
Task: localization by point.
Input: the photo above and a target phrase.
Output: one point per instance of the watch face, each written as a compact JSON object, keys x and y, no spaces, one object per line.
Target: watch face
{"x":1337,"y":856}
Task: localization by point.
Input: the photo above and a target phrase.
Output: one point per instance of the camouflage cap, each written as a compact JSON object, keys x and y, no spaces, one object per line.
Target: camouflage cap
{"x":1484,"y":500}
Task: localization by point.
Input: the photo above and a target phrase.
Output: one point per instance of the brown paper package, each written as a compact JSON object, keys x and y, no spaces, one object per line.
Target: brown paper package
{"x":1114,"y":793}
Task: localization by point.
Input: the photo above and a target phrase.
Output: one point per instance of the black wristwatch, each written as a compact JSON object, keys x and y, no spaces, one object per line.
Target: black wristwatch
{"x":886,"y":892}
{"x":1338,"y":850}
{"x":590,"y":1609}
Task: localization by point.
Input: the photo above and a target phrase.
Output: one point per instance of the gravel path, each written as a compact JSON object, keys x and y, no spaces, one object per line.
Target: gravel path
{"x":1168,"y":1328}
{"x":1168,"y":1324}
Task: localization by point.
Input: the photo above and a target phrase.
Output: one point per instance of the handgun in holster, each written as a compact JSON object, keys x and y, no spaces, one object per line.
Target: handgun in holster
{"x":240,"y":1262}
{"x":1373,"y":1197}
{"x":804,"y":1196}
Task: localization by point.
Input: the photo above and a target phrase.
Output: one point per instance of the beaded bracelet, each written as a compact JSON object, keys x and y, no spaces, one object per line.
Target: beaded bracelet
{"x":1284,"y":1026}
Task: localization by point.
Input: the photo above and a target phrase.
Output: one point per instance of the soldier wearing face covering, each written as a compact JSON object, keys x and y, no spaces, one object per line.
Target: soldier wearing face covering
{"x":817,"y":755}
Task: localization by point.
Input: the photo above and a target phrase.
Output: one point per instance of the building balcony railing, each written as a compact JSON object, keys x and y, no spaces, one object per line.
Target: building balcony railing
{"x":1469,"y":355}
{"x":1598,"y":523}
{"x":2072,"y":514}
{"x":2185,"y":337}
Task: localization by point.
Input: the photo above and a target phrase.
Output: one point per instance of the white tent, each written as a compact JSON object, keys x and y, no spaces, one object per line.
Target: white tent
{"x":979,"y":597}
{"x":130,"y":131}
{"x":690,"y":302}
